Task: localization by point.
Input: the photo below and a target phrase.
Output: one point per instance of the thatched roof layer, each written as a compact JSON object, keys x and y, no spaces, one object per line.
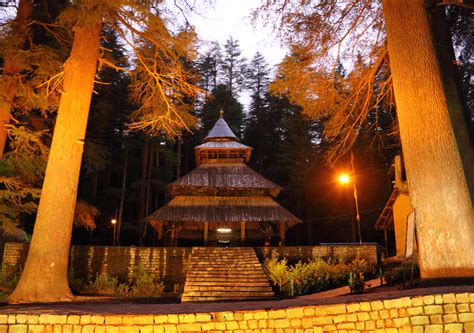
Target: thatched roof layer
{"x":222,"y":145}
{"x":222,"y":209}
{"x":211,"y":178}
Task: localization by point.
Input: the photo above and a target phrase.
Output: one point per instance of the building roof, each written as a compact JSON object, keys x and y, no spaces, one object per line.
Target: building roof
{"x":211,"y":178}
{"x":222,"y":145}
{"x":222,"y":209}
{"x":220,"y":131}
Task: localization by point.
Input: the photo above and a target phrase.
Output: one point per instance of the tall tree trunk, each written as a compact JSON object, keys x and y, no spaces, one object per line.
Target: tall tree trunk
{"x":143,"y":189}
{"x":44,"y":277}
{"x":178,"y":162}
{"x":9,"y":81}
{"x":427,"y":108}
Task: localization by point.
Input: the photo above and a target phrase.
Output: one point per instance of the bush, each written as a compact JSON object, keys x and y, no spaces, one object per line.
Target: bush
{"x":313,"y":276}
{"x":143,"y":284}
{"x":7,"y":284}
{"x":277,"y":272}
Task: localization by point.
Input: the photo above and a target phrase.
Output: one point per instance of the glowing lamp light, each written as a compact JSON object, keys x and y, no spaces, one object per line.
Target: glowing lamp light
{"x":344,"y":178}
{"x":224,"y":230}
{"x":113,"y":221}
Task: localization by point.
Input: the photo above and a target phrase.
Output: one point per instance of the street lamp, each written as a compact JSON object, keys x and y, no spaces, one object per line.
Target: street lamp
{"x":114,"y":223}
{"x":345,"y":178}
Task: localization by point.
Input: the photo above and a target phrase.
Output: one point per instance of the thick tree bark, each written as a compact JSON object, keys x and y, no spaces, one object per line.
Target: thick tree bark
{"x":427,"y":108}
{"x":9,"y":81}
{"x":44,"y":277}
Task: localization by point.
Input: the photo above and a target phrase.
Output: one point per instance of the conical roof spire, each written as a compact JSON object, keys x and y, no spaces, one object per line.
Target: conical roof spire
{"x":221,"y":130}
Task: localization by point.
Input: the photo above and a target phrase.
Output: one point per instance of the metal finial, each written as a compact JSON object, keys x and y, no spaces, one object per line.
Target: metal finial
{"x":222,"y":113}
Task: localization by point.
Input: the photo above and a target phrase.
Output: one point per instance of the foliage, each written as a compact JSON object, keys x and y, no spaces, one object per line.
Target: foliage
{"x":143,"y":284}
{"x":103,"y":284}
{"x":313,"y":276}
{"x":396,"y":275}
{"x":277,"y":272}
{"x":322,"y":35}
{"x":222,"y":98}
{"x":22,"y":172}
{"x":7,"y":284}
{"x":140,"y":284}
{"x":85,"y":214}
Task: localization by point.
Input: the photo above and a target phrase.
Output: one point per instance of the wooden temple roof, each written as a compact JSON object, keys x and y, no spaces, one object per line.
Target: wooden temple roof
{"x":221,"y":131}
{"x":213,"y":178}
{"x":222,"y":145}
{"x":222,"y":188}
{"x":190,"y":209}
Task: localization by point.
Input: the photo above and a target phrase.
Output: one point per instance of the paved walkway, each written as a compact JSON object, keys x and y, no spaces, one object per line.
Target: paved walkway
{"x":111,"y":306}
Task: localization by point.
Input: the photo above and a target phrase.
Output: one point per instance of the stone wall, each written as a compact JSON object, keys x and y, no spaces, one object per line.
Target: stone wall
{"x":429,"y":314}
{"x":368,"y":252}
{"x":168,"y":264}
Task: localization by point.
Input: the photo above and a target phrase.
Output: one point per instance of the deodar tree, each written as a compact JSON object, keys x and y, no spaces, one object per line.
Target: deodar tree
{"x":434,"y":139}
{"x":44,"y":278}
{"x":9,"y":82}
{"x":437,"y":152}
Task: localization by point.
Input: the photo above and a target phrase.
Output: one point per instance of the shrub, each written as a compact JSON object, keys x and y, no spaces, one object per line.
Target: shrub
{"x":103,"y":284}
{"x":144,"y":285}
{"x":7,"y":284}
{"x":313,"y":276}
{"x":277,"y":272}
{"x":141,"y":283}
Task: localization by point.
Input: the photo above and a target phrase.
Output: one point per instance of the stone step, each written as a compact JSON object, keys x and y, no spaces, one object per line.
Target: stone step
{"x":227,"y":283}
{"x":221,"y":249}
{"x":220,"y":264}
{"x":239,"y":253}
{"x":229,"y":279}
{"x":241,"y":275}
{"x":224,"y":298}
{"x":222,"y":257}
{"x":220,"y":261}
{"x":225,"y":274}
{"x":229,"y":267}
{"x":230,"y":293}
{"x":250,"y":288}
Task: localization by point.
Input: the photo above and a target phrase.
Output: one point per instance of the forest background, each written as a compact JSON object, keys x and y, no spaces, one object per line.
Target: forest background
{"x":124,"y":172}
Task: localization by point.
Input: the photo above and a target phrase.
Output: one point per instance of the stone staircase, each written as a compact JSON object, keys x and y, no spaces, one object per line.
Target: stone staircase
{"x":217,"y":274}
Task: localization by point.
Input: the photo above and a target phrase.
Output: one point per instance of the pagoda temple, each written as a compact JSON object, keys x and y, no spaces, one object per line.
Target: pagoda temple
{"x":222,"y":201}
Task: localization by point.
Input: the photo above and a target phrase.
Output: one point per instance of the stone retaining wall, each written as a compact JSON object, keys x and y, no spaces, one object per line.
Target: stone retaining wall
{"x":368,"y":252}
{"x":428,"y":314}
{"x":168,"y":264}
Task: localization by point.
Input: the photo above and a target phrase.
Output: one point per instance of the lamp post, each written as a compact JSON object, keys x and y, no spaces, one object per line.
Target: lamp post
{"x":114,"y":224}
{"x":346,"y":179}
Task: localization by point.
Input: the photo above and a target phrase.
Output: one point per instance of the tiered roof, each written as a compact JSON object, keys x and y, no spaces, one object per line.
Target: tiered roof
{"x":223,"y":188}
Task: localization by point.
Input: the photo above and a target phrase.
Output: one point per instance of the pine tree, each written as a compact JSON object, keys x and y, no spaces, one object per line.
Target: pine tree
{"x":257,"y":134}
{"x":49,"y":249}
{"x":428,"y":110}
{"x":233,"y":66}
{"x":222,"y":99}
{"x":208,"y":68}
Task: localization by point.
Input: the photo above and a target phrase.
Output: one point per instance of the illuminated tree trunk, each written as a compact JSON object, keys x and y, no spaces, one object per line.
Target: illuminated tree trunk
{"x":44,"y":277}
{"x":9,"y":83}
{"x":427,"y":109}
